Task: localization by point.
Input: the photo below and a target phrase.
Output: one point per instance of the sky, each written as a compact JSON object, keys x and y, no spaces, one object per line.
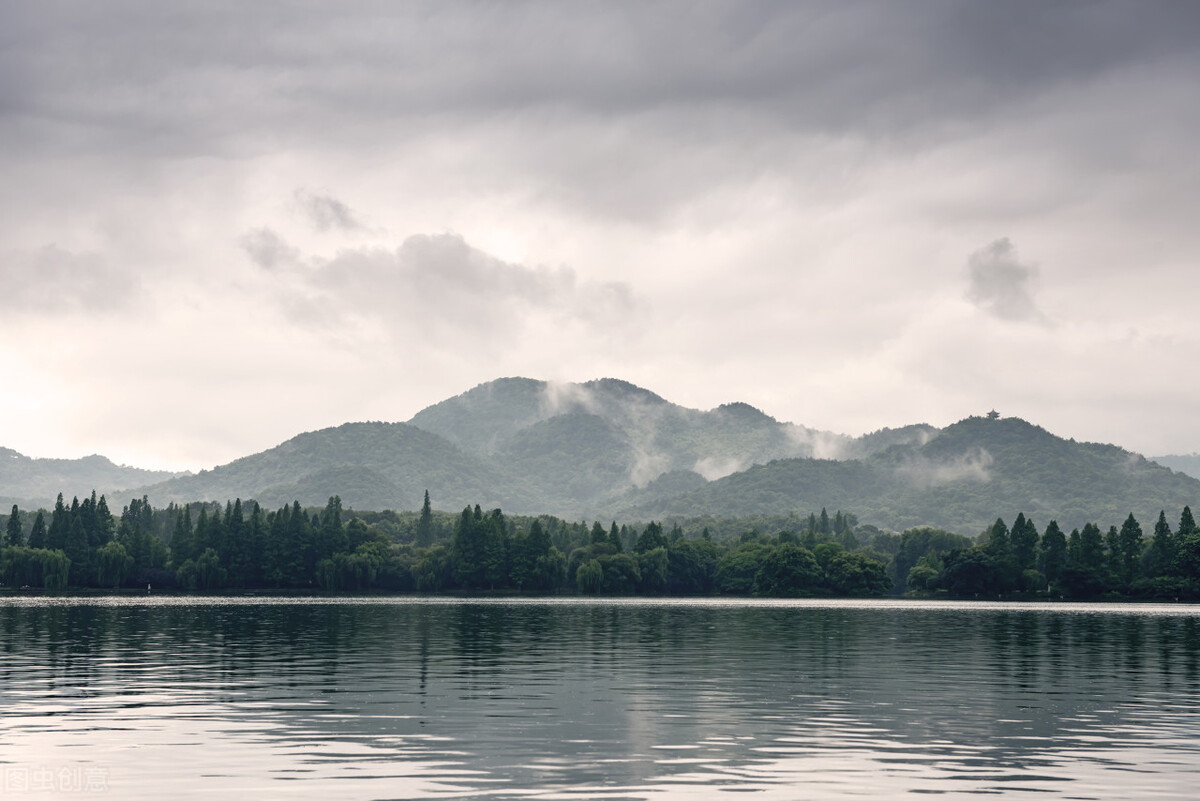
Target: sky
{"x":223,"y":224}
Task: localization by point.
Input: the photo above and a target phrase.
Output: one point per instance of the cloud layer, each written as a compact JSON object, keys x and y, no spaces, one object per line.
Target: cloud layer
{"x":224,"y":224}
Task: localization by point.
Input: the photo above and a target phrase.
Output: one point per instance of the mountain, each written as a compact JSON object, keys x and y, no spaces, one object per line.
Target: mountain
{"x":527,"y":446}
{"x":1181,"y":463}
{"x":370,"y":465}
{"x":608,"y":449}
{"x":961,"y":480}
{"x":36,"y":482}
{"x":579,"y":447}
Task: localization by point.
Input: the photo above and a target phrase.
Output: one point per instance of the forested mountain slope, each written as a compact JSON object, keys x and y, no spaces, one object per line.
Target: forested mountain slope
{"x":370,"y":465}
{"x":23,"y":479}
{"x":959,"y":480}
{"x":606,"y":449}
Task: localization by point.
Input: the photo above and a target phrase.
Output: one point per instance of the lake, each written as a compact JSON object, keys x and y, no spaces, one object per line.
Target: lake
{"x":568,"y":699}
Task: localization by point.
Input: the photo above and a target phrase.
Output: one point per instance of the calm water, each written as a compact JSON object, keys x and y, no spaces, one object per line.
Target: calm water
{"x":366,"y":699}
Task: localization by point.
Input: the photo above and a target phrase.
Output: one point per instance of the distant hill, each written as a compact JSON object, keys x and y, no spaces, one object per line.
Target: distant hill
{"x":525,"y":445}
{"x":608,"y":449}
{"x":370,"y":465}
{"x":1185,"y":463}
{"x":37,"y":482}
{"x":579,"y":447}
{"x":971,"y":473}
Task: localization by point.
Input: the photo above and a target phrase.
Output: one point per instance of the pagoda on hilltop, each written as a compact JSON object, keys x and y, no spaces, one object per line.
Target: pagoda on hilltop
{"x":993,"y":415}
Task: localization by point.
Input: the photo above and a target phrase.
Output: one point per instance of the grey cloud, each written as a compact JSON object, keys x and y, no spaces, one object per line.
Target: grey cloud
{"x":326,"y":212}
{"x":813,"y":66}
{"x":268,"y":250}
{"x":56,"y":280}
{"x":999,"y":283}
{"x":441,"y":286}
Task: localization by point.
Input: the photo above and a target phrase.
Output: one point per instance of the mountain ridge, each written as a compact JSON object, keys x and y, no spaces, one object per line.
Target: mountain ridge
{"x":607,"y":448}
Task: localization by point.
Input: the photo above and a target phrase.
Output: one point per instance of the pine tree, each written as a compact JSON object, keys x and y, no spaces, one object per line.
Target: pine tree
{"x":1091,"y":548}
{"x":1162,"y":548}
{"x":77,"y":551}
{"x":999,"y":543}
{"x":1054,"y":552}
{"x":38,"y":534}
{"x":13,"y":536}
{"x":425,"y":523}
{"x":60,"y":526}
{"x":1129,"y":543}
{"x":105,"y":525}
{"x":1024,"y":542}
{"x":614,"y":538}
{"x":182,"y":543}
{"x":1187,"y":524}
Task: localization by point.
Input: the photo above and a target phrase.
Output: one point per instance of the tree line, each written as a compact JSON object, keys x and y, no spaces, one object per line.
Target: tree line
{"x":205,"y":546}
{"x":239,"y":545}
{"x":1087,"y":563}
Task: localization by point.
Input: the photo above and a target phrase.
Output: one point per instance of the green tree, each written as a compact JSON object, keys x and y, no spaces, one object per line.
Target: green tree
{"x":13,"y":536}
{"x":1091,"y":548}
{"x":789,"y":571}
{"x":589,"y":578}
{"x":182,"y":539}
{"x":468,"y":549}
{"x":856,"y":574}
{"x":621,"y":574}
{"x":651,"y":538}
{"x":1024,"y":542}
{"x":55,"y":568}
{"x":999,"y":544}
{"x":653,"y":566}
{"x":614,"y":538}
{"x":60,"y":526}
{"x":112,"y":565}
{"x":425,"y":523}
{"x":77,"y":551}
{"x":1129,"y":545}
{"x":1054,"y":552}
{"x":1187,"y":524}
{"x":1161,"y":553}
{"x":38,"y":534}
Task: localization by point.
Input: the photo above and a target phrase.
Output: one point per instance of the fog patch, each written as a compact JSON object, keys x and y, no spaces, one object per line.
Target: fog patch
{"x":714,"y":467}
{"x":1000,"y":284}
{"x":562,"y":397}
{"x":971,"y":466}
{"x":647,"y":466}
{"x":817,"y":444}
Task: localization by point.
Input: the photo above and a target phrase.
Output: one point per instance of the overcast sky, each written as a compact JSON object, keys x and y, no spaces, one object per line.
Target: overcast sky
{"x":222,"y":224}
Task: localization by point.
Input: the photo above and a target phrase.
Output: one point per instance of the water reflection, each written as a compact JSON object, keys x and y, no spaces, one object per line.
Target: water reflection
{"x":387,"y":699}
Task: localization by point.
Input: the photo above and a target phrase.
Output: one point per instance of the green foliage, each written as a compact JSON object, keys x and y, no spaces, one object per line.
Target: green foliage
{"x":918,"y":543}
{"x":653,"y":566}
{"x":589,"y":578}
{"x":789,"y":571}
{"x":113,"y":565}
{"x":1053,"y":552}
{"x":13,"y":536}
{"x":238,"y":545}
{"x":650,"y":539}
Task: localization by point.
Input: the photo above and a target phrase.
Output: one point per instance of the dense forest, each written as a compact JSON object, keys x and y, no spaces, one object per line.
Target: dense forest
{"x":211,"y":547}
